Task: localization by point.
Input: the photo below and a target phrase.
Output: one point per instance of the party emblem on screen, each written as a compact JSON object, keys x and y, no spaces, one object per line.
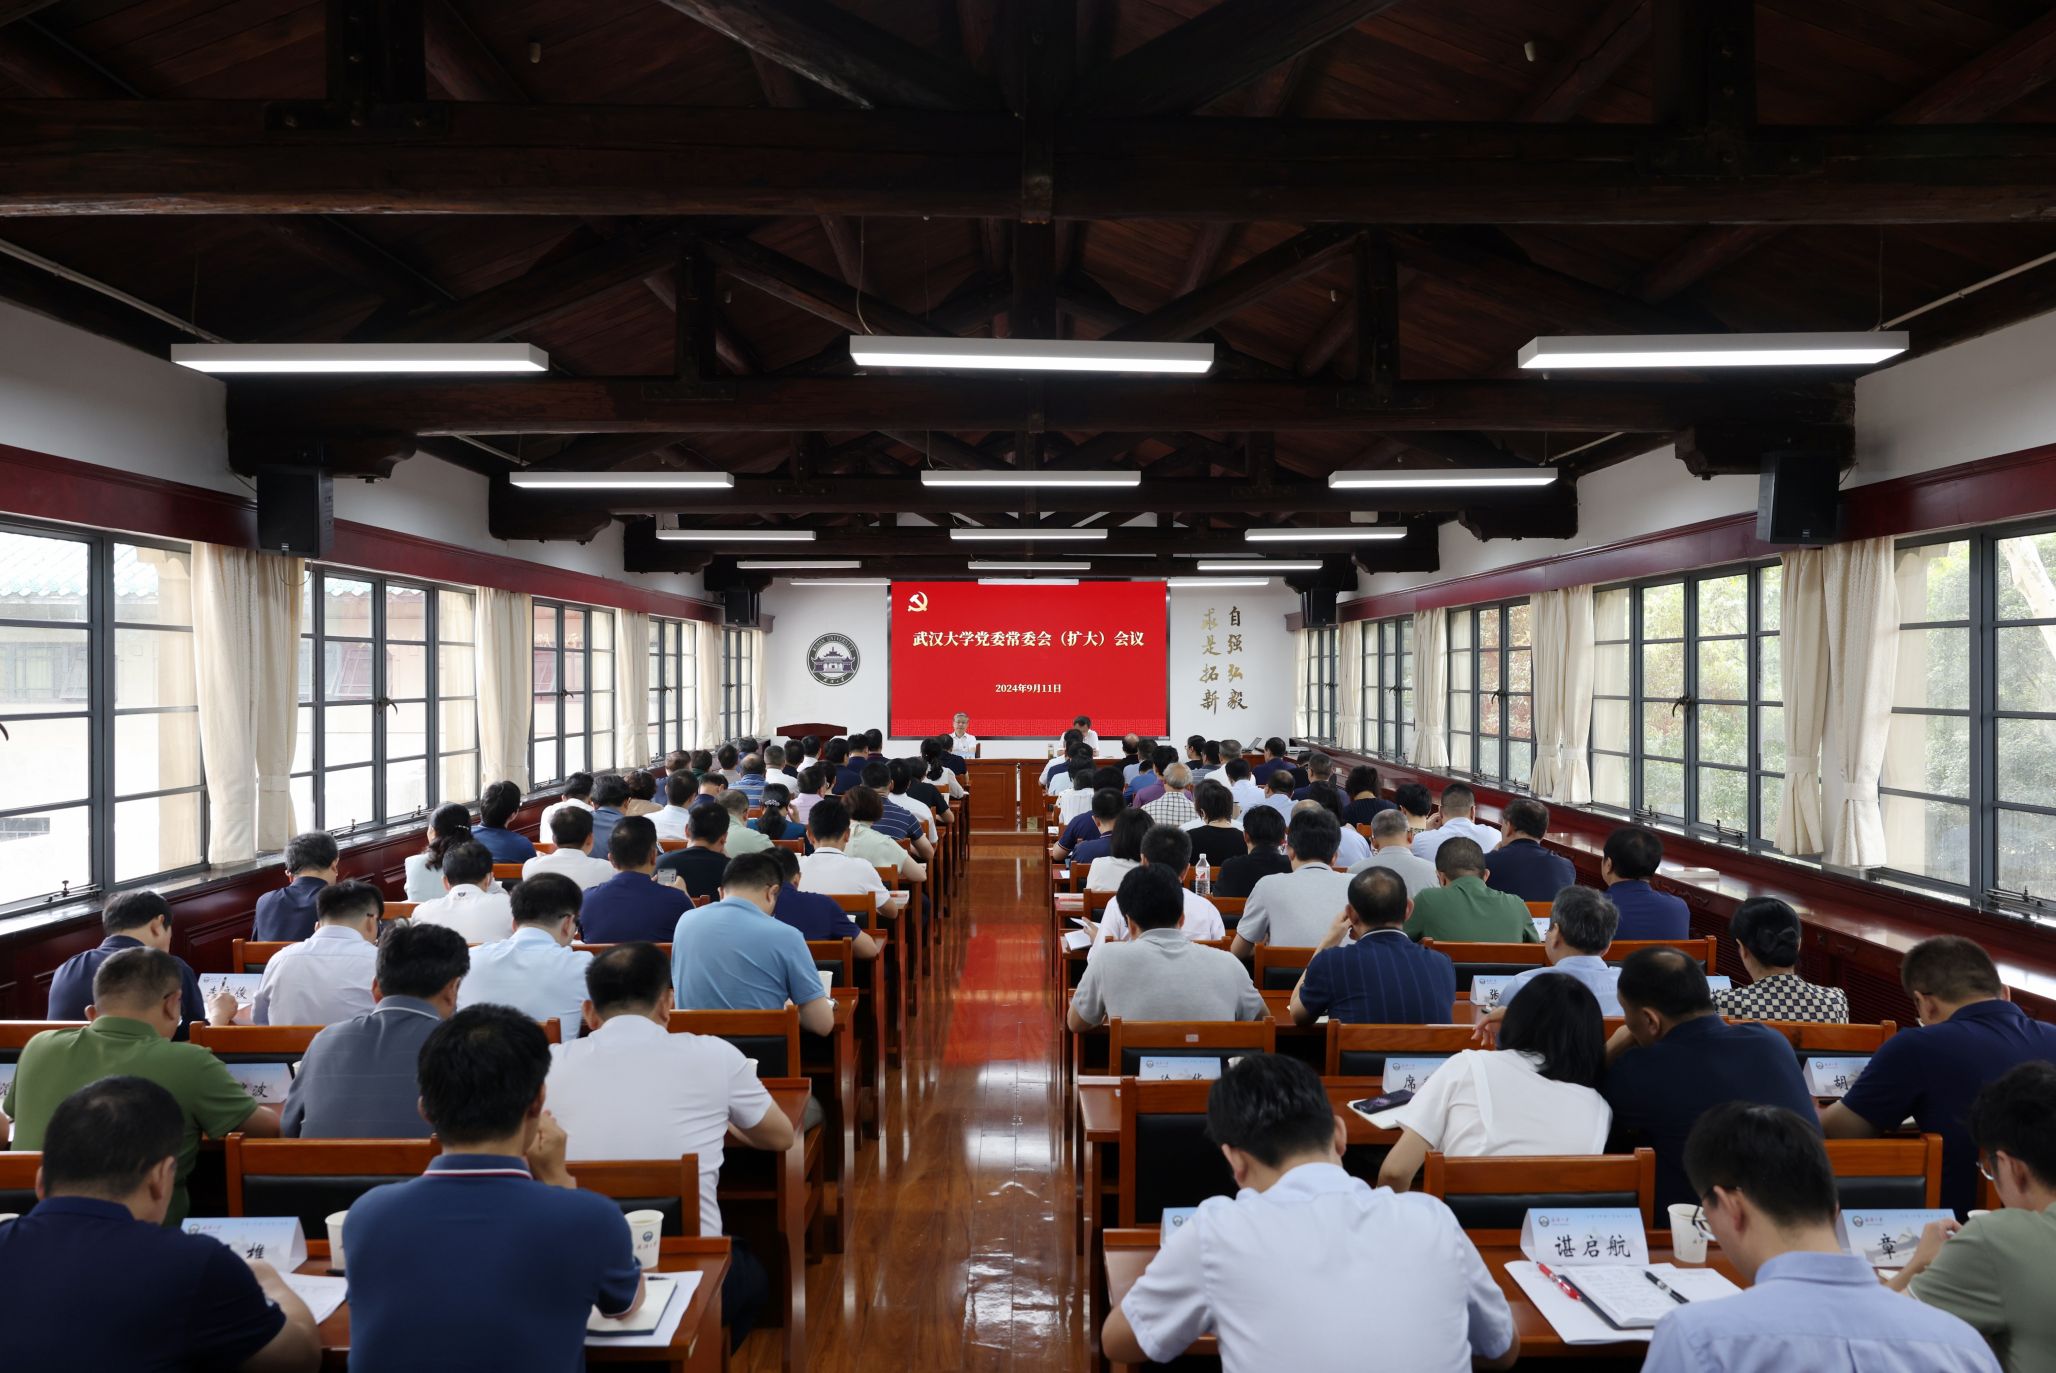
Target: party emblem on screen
{"x":918,"y":601}
{"x":832,"y":659}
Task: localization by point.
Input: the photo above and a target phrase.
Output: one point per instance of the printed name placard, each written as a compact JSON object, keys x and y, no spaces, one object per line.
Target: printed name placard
{"x":1409,"y":1074}
{"x":1594,"y":1234}
{"x":1176,"y":1216}
{"x":1833,"y":1076}
{"x":1717,"y":982}
{"x":1485,"y":990}
{"x":277,"y":1240}
{"x":244,"y":985}
{"x":1541,"y":924}
{"x":267,"y":1083}
{"x":1171,"y":1068}
{"x":1886,"y":1239}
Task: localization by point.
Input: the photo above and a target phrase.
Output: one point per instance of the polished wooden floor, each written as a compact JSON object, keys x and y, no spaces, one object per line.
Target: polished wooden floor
{"x":960,"y":1251}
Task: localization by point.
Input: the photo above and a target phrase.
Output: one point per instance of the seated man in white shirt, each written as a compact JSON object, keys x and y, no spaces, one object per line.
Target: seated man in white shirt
{"x":535,"y":969}
{"x":472,"y":904}
{"x":678,"y":794}
{"x":1308,"y":1267}
{"x":828,"y":869}
{"x":632,"y":1090}
{"x":774,"y":770}
{"x":1392,"y":847}
{"x":1241,"y":786}
{"x":327,"y":976}
{"x":1351,"y":848}
{"x":572,"y":832}
{"x":1453,"y":820}
{"x":1169,"y":848}
{"x":962,"y":741}
{"x":578,"y":795}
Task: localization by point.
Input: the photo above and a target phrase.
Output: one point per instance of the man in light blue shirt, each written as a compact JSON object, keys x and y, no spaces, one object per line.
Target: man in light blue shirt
{"x":734,"y":955}
{"x":1762,"y":1175}
{"x":534,"y":969}
{"x":1581,"y":924}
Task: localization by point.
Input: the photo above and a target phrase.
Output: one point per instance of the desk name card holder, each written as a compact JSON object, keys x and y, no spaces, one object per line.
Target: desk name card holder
{"x":1410,"y":1074}
{"x":1565,"y":1237}
{"x":1886,"y":1239}
{"x":1833,"y":1075}
{"x":277,"y":1240}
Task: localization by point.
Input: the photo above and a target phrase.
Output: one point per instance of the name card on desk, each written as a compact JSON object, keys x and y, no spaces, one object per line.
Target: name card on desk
{"x":277,"y":1240}
{"x":244,"y":985}
{"x":1833,"y":1076}
{"x":1541,"y":924}
{"x":1173,"y":1068}
{"x":1176,"y":1216}
{"x":1715,"y":982}
{"x":1595,"y":1234}
{"x":267,"y":1083}
{"x":1485,"y":990}
{"x":1410,"y":1074}
{"x":1886,"y":1239}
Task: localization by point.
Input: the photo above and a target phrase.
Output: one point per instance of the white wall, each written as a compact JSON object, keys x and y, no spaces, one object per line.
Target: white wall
{"x":802,"y":613}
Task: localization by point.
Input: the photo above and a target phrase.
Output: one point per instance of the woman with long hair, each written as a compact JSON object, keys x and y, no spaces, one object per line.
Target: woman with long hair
{"x":447,"y":828}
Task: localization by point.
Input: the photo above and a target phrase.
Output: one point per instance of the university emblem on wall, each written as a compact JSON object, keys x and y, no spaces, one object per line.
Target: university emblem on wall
{"x":832,"y":659}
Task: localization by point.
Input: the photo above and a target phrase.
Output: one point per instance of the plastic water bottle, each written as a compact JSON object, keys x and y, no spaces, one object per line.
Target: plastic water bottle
{"x":1203,"y":877}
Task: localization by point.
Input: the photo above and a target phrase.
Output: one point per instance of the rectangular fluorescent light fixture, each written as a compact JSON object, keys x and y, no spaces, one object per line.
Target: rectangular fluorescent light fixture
{"x":224,"y":358}
{"x":1028,"y":536}
{"x":1550,"y":353}
{"x":798,"y":564}
{"x":1362,"y":533}
{"x":841,"y":581}
{"x":736,"y":535}
{"x":1027,"y":581}
{"x":1030,"y":354}
{"x":622,"y":481}
{"x":1037,"y":478}
{"x":1219,"y":581}
{"x":1000,"y":565}
{"x":1267,"y":565}
{"x":1446,"y":478}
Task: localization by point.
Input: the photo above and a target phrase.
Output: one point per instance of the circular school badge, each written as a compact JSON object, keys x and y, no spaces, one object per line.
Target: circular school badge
{"x":832,"y":659}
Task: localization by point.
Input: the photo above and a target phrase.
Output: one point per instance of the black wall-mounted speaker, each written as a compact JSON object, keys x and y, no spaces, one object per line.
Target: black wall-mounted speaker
{"x":1798,"y":498}
{"x":1317,"y":607}
{"x":296,"y":512}
{"x":739,"y":607}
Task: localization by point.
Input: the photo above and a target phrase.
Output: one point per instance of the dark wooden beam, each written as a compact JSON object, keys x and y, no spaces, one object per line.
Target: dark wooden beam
{"x":1740,"y":447}
{"x":1705,"y":76}
{"x":11,"y":10}
{"x":1548,"y":514}
{"x":1377,"y":312}
{"x":782,"y":89}
{"x":1615,"y":34}
{"x":520,"y":303}
{"x":846,"y":54}
{"x":818,"y":294}
{"x":1271,"y":270}
{"x":1265,"y":100}
{"x":563,"y":405}
{"x":694,"y":358}
{"x":1482,"y":264}
{"x":460,"y":62}
{"x":375,"y":53}
{"x":933,"y":541}
{"x":1321,"y":349}
{"x":1230,"y":44}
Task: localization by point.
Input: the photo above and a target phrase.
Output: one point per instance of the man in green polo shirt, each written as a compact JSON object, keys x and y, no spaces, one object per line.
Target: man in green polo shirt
{"x":1463,"y":909}
{"x":136,"y":1007}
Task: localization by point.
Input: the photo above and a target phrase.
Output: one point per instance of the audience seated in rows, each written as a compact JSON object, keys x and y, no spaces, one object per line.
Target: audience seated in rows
{"x":1265,"y":834}
{"x":1761,"y":1175}
{"x":1277,"y":795}
{"x":327,"y":976}
{"x":832,"y":869}
{"x":1320,"y":771}
{"x":1463,"y":909}
{"x":735,"y":955}
{"x":1147,"y":783}
{"x":1537,"y":1093}
{"x":496,"y":806}
{"x":448,"y":826}
{"x":135,"y":920}
{"x":1296,"y":908}
{"x":874,"y":845}
{"x":92,"y":1278}
{"x":750,"y":781}
{"x":1160,"y":974}
{"x":741,"y":838}
{"x":637,"y":902}
{"x":1392,"y":847}
{"x":1454,"y":818}
{"x":1351,"y":848}
{"x":1215,"y":835}
{"x":777,"y":820}
{"x":535,"y":969}
{"x":472,"y":903}
{"x":1076,"y":798}
{"x":680,"y":790}
{"x":138,"y":1004}
{"x":1247,"y":791}
{"x":698,"y":865}
{"x":577,"y":795}
{"x":848,"y":771}
{"x":572,"y":830}
{"x":356,"y":1080}
{"x":1124,"y":851}
{"x":1365,"y":804}
{"x":1273,"y":760}
{"x":1520,"y":864}
{"x":1166,"y":847}
{"x":1172,"y":805}
{"x":494,"y":1258}
{"x":1674,"y":1059}
{"x":610,"y":798}
{"x":1094,"y":824}
{"x":1631,"y":857}
{"x":1306,"y":1267}
{"x":1766,"y":933}
{"x":1581,"y":926}
{"x":312,"y":861}
{"x":1416,"y":803}
{"x":1382,"y":977}
{"x":632,"y":1090}
{"x":642,"y":793}
{"x":1968,"y":1035}
{"x":816,"y":784}
{"x":814,"y":915}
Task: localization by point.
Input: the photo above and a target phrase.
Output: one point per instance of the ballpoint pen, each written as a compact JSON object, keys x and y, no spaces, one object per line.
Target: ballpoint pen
{"x":1663,"y":1287}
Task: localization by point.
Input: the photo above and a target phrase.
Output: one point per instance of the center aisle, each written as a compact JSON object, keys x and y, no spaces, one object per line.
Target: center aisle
{"x":960,"y":1250}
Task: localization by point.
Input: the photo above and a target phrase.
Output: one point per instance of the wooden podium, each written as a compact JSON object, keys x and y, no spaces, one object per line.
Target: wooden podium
{"x":826,"y":732}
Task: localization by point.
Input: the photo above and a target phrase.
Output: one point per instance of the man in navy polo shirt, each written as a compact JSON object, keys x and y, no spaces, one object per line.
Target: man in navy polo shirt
{"x":1519,"y":862}
{"x":815,"y":916}
{"x":1274,"y":758}
{"x":1383,"y":978}
{"x":632,"y":904}
{"x":312,"y":861}
{"x":1106,"y":804}
{"x":110,"y":1162}
{"x":1675,"y":1058}
{"x":133,"y":920}
{"x":1631,"y":858}
{"x":1968,"y":1036}
{"x":493,"y":1258}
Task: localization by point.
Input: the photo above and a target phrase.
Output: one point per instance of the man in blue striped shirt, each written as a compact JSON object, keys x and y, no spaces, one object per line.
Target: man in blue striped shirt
{"x":1383,"y":978}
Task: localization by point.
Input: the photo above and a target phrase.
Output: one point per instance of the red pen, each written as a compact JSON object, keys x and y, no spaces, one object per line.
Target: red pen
{"x":1563,"y":1284}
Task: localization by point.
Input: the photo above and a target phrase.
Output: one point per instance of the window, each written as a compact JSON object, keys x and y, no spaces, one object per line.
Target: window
{"x":1319,"y":687}
{"x":1492,"y":693}
{"x":100,"y":779}
{"x":1926,"y":787}
{"x":674,"y":714}
{"x":1388,"y":687}
{"x":571,"y":726}
{"x":738,"y":682}
{"x":1687,"y":710}
{"x":388,"y":708}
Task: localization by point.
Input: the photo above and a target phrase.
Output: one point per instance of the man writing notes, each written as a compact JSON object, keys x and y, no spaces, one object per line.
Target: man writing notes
{"x":1296,"y":909}
{"x":1463,"y":908}
{"x":1161,"y":974}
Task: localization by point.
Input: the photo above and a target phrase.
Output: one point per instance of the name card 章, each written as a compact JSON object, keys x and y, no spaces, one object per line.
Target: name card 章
{"x":1833,"y":1076}
{"x":1409,"y":1074}
{"x":1174,"y":1068}
{"x":243,"y":985}
{"x":277,"y":1240}
{"x":1886,"y":1239}
{"x":1573,"y":1235}
{"x":267,"y":1083}
{"x":1485,"y":990}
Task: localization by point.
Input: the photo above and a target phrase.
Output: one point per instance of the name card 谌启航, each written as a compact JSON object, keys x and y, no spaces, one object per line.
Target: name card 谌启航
{"x":1572,"y":1235}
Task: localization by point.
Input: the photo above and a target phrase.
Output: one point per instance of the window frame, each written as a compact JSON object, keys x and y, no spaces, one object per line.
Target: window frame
{"x":1388,"y":687}
{"x":101,"y":801}
{"x":1501,"y":739}
{"x":590,"y":685}
{"x":1319,"y":687}
{"x":738,"y":684}
{"x":674,"y":667}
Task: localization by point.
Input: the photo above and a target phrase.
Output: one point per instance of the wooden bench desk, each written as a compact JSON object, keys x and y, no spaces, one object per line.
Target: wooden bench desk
{"x":830,"y":1062}
{"x":757,"y":1186}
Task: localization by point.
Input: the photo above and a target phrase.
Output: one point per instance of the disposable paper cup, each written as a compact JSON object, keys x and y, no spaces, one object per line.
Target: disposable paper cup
{"x":1973,"y":1215}
{"x":646,"y":1229}
{"x":335,"y":1241}
{"x":1688,"y":1244}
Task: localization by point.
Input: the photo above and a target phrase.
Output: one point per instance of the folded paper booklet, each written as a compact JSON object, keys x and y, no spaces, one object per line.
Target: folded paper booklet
{"x":1608,"y":1303}
{"x":661,"y":1292}
{"x":1077,"y":939}
{"x":322,"y":1294}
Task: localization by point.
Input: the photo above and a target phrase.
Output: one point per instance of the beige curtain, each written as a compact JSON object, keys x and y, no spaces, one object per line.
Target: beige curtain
{"x":631,"y":687}
{"x":505,"y":655}
{"x":709,"y":657}
{"x":1863,"y":654}
{"x":1431,"y":689}
{"x":1349,"y":686}
{"x":1564,"y":659}
{"x":760,"y":688}
{"x":1302,"y":664}
{"x":1803,"y":642}
{"x":246,"y":608}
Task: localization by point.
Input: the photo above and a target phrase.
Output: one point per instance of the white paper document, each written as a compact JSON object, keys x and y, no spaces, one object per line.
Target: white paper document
{"x":669,"y":1294}
{"x":1573,"y":1321}
{"x":322,"y":1294}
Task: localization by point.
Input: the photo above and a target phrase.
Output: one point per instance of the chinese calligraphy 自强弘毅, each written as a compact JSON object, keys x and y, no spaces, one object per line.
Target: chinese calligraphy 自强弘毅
{"x":1212,"y":699}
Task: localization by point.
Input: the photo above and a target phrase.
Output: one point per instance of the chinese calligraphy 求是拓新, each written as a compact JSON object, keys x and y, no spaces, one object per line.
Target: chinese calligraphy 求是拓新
{"x":1211,"y":699}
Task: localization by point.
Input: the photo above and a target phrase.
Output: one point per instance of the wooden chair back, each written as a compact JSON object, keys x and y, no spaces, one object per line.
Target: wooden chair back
{"x":1096,"y":903}
{"x":1128,"y":1040}
{"x":15,"y":1034}
{"x":1491,"y":1196}
{"x":770,"y":1037}
{"x":890,"y":877}
{"x":1166,"y":1157}
{"x":1230,"y":908}
{"x":1894,"y":1173}
{"x":670,"y":1186}
{"x":1361,"y":1050}
{"x":250,"y":955}
{"x":18,"y":1181}
{"x":1540,"y":910}
{"x":673,"y":845}
{"x":256,"y":1043}
{"x":597,"y":949}
{"x":836,"y":956}
{"x":506,"y":872}
{"x":399,"y":910}
{"x":798,"y":845}
{"x":861,"y":907}
{"x":1278,"y":968}
{"x":1811,"y":1037}
{"x":314,"y":1178}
